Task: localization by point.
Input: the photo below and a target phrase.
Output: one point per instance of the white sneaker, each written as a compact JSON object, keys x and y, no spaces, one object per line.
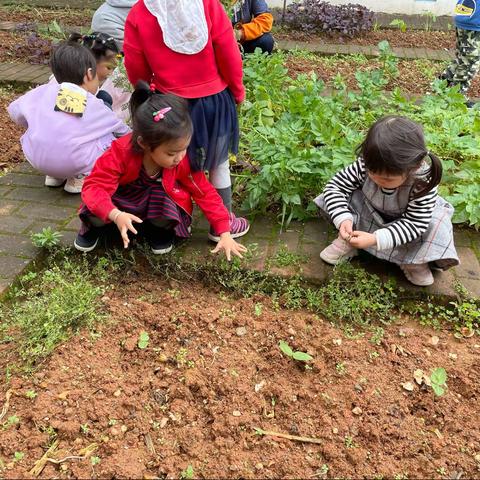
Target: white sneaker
{"x":53,"y":182}
{"x":74,"y":184}
{"x":420,"y":274}
{"x":338,"y":251}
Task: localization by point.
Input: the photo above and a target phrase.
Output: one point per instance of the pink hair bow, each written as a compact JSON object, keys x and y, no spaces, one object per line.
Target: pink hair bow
{"x":160,"y":115}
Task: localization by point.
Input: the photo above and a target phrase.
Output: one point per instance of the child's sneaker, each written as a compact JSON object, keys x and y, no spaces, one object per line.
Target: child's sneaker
{"x":239,"y":226}
{"x":420,"y":275}
{"x":161,"y":241}
{"x":89,"y":240}
{"x":53,"y":182}
{"x":74,"y":184}
{"x":338,"y":251}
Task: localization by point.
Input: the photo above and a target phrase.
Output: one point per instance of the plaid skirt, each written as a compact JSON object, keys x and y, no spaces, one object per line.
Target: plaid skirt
{"x":434,"y":245}
{"x":146,"y":198}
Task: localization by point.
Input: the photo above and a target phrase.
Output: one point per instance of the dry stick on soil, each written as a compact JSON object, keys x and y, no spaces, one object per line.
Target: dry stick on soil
{"x":40,"y":464}
{"x":259,"y":431}
{"x":6,"y":405}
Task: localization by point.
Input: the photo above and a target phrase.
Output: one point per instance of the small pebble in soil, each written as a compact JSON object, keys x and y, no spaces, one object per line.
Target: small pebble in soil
{"x":408,"y":386}
{"x":452,"y":356}
{"x":163,"y":422}
{"x":357,"y":411}
{"x":337,"y":341}
{"x":236,"y":413}
{"x":117,"y":393}
{"x":259,"y":466}
{"x":477,"y":457}
{"x":334,"y":430}
{"x":241,"y":331}
{"x":291,"y":331}
{"x":124,"y":428}
{"x":434,"y":340}
{"x":358,"y":388}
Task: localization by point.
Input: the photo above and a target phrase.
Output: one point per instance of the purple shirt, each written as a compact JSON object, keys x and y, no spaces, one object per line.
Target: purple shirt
{"x":59,"y":144}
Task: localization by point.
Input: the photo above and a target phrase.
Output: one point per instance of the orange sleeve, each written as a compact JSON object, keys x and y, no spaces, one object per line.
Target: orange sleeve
{"x":257,"y":27}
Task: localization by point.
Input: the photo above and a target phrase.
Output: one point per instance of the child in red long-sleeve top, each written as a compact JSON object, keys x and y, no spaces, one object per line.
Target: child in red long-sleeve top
{"x":188,"y":48}
{"x":145,"y":177}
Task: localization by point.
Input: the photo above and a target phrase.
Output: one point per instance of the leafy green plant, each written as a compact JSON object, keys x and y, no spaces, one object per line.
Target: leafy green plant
{"x":397,"y":22}
{"x":438,"y":378}
{"x":188,"y":473}
{"x":47,"y":238}
{"x":95,"y":460}
{"x":143,"y":340}
{"x":52,"y":31}
{"x":17,"y":456}
{"x":295,"y":355}
{"x":430,"y":19}
{"x":31,"y":394}
{"x":296,"y":138}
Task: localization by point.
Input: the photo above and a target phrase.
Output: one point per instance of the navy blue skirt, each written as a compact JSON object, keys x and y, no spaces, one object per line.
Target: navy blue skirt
{"x":145,"y":197}
{"x":215,"y":130}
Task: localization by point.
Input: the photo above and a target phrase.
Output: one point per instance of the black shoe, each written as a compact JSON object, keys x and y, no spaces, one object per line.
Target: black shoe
{"x":160,"y":240}
{"x":88,"y":241}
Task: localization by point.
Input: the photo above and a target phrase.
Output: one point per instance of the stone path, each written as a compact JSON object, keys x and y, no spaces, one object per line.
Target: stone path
{"x":27,"y":206}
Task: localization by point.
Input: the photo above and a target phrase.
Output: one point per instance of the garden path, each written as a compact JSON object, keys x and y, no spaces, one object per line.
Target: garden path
{"x":26,"y":206}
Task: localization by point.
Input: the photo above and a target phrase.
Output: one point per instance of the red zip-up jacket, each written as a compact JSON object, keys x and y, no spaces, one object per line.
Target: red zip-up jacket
{"x":216,"y":67}
{"x":119,"y":165}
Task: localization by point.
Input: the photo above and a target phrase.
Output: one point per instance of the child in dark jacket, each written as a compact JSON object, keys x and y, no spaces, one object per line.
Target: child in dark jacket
{"x":145,"y":177}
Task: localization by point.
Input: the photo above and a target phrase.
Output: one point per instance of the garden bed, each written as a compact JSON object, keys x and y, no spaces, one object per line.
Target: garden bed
{"x":415,"y":76}
{"x":411,"y":38}
{"x":186,"y":405}
{"x":10,"y":149}
{"x":30,"y":14}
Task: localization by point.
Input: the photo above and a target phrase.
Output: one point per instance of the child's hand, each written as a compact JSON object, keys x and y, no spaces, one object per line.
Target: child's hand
{"x":346,"y":229}
{"x":124,"y":222}
{"x":362,"y":239}
{"x":230,"y":246}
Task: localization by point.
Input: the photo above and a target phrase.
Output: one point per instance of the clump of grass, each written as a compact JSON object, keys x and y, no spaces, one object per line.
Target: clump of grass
{"x":51,"y":306}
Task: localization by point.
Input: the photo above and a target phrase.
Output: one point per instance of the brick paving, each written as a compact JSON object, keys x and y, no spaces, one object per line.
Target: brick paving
{"x":27,"y":206}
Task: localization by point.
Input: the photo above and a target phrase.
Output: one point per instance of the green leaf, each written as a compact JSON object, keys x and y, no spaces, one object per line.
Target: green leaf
{"x":439,"y":391}
{"x":439,"y":376}
{"x":285,"y":348}
{"x":302,"y":356}
{"x":143,"y":340}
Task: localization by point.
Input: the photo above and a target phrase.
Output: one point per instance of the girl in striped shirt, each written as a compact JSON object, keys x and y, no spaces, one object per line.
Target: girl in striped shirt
{"x":387,"y":203}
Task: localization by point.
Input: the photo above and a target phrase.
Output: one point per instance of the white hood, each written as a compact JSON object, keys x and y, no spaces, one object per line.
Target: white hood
{"x":183,"y":24}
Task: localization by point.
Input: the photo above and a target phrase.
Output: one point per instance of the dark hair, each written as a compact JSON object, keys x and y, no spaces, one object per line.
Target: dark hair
{"x":395,"y":145}
{"x":71,"y":61}
{"x":99,"y":43}
{"x":175,"y":125}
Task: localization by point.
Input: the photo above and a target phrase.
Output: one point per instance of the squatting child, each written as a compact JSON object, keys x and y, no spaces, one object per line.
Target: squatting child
{"x":387,"y":203}
{"x":67,"y":126}
{"x":145,"y":177}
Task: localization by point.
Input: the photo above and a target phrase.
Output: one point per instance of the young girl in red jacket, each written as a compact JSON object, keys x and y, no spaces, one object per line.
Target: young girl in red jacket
{"x":188,"y":48}
{"x":145,"y":177}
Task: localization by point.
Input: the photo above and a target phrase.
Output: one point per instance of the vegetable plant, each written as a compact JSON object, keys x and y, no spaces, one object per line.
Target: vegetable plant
{"x":299,"y":356}
{"x":438,"y":379}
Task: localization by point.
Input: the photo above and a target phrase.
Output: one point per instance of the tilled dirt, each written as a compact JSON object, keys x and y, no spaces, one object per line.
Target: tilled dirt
{"x":63,"y":16}
{"x":212,"y":372}
{"x":10,"y":149}
{"x":411,"y":38}
{"x":415,"y":76}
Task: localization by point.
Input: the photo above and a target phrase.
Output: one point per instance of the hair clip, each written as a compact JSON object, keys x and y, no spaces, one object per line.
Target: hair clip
{"x":160,"y":115}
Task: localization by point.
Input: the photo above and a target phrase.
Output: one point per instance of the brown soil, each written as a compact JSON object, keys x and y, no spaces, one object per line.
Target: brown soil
{"x":24,"y":47}
{"x":64,"y":16}
{"x":196,"y":393}
{"x":415,"y":76}
{"x":10,"y":148}
{"x":414,"y":38}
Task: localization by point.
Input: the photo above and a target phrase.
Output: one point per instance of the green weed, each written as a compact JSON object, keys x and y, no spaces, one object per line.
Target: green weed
{"x":50,"y":307}
{"x":47,"y":238}
{"x":397,"y":22}
{"x":295,"y":355}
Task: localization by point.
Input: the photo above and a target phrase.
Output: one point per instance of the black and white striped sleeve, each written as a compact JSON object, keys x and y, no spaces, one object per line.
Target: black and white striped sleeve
{"x":338,"y":190}
{"x":411,"y":224}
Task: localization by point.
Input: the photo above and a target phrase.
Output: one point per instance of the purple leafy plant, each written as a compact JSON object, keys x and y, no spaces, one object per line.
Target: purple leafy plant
{"x":315,"y":16}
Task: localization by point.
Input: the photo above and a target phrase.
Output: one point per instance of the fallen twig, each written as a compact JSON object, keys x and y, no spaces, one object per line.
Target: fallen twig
{"x":259,"y":431}
{"x":6,"y":405}
{"x":40,"y":464}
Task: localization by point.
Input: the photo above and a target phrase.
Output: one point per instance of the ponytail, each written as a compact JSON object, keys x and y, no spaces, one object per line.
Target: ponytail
{"x":99,"y":43}
{"x":139,"y":96}
{"x":434,"y":176}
